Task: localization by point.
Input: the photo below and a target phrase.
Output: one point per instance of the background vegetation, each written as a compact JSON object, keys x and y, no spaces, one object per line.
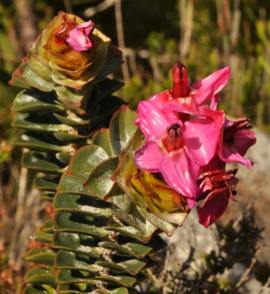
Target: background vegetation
{"x":153,"y":35}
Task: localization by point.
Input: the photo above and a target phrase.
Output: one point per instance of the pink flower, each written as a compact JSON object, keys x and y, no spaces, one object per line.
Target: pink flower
{"x":177,"y":144}
{"x":79,"y":37}
{"x":189,"y":141}
{"x":217,"y":187}
{"x":200,"y":93}
{"x":235,"y":141}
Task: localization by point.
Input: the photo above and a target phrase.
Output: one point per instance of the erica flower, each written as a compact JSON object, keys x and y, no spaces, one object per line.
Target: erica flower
{"x":202,"y":92}
{"x":177,"y":146}
{"x":217,"y":187}
{"x":189,"y":141}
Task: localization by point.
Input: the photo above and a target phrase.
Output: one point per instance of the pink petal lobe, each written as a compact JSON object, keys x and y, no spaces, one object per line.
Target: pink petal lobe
{"x":213,"y":209}
{"x":149,"y":157}
{"x":79,"y":37}
{"x":153,"y":121}
{"x":231,"y":154}
{"x":180,"y":173}
{"x":210,"y":86}
{"x":233,"y":148}
{"x":201,"y":136}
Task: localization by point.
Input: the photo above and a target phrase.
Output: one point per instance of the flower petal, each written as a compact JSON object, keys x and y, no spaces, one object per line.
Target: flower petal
{"x":78,"y":38}
{"x":180,"y":173}
{"x":149,"y":157}
{"x":201,"y":135}
{"x":235,"y":151}
{"x":213,"y":209}
{"x":208,"y":87}
{"x":153,"y":121}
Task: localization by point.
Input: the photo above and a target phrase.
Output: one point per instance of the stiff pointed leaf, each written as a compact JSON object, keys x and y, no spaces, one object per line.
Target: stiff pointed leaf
{"x":46,"y":183}
{"x":131,"y":266}
{"x":125,"y":281}
{"x":86,"y":160}
{"x":80,"y":203}
{"x":78,"y":243}
{"x":27,"y":122}
{"x":70,"y":260}
{"x":71,"y":119}
{"x":41,"y":162}
{"x":41,"y":255}
{"x":33,"y":101}
{"x":78,"y":223}
{"x":34,"y":143}
{"x":40,"y":276}
{"x":130,"y":249}
{"x":122,"y":128}
{"x":99,"y":182}
{"x":44,"y":289}
{"x":102,"y":138}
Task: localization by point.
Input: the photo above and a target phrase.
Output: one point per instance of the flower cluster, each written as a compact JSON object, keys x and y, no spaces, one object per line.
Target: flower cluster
{"x":189,"y":141}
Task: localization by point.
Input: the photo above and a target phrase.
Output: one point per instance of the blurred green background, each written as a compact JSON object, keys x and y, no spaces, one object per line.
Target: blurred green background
{"x":153,"y":34}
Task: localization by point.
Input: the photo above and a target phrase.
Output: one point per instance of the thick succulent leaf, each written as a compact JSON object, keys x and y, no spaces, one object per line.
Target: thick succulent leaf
{"x":122,"y":128}
{"x":77,"y":243}
{"x":29,"y":141}
{"x":72,"y":99}
{"x":78,"y":223}
{"x":25,"y":77}
{"x":125,"y":281}
{"x":71,"y":119}
{"x":99,"y":182}
{"x":41,"y":255}
{"x":46,"y":183}
{"x":44,"y":289}
{"x":128,"y":249}
{"x":131,"y":266}
{"x":33,"y":101}
{"x":24,"y":121}
{"x":41,"y":162}
{"x":40,"y":276}
{"x":72,"y":260}
{"x":86,"y":160}
{"x":80,"y":203}
{"x":102,"y":138}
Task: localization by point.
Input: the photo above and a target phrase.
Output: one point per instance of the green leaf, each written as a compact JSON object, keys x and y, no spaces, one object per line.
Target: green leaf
{"x":40,"y":276}
{"x":79,"y":203}
{"x":86,"y":160}
{"x":99,"y":182}
{"x":72,"y":260}
{"x":122,"y":128}
{"x":102,"y":138}
{"x":33,"y":101}
{"x":131,"y":266}
{"x":77,"y":223}
{"x":34,"y":143}
{"x":78,"y":243}
{"x":41,"y":162}
{"x":24,"y":121}
{"x":46,"y":183}
{"x":40,"y":255}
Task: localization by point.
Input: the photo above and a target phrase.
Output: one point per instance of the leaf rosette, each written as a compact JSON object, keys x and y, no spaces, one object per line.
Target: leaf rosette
{"x":52,"y":62}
